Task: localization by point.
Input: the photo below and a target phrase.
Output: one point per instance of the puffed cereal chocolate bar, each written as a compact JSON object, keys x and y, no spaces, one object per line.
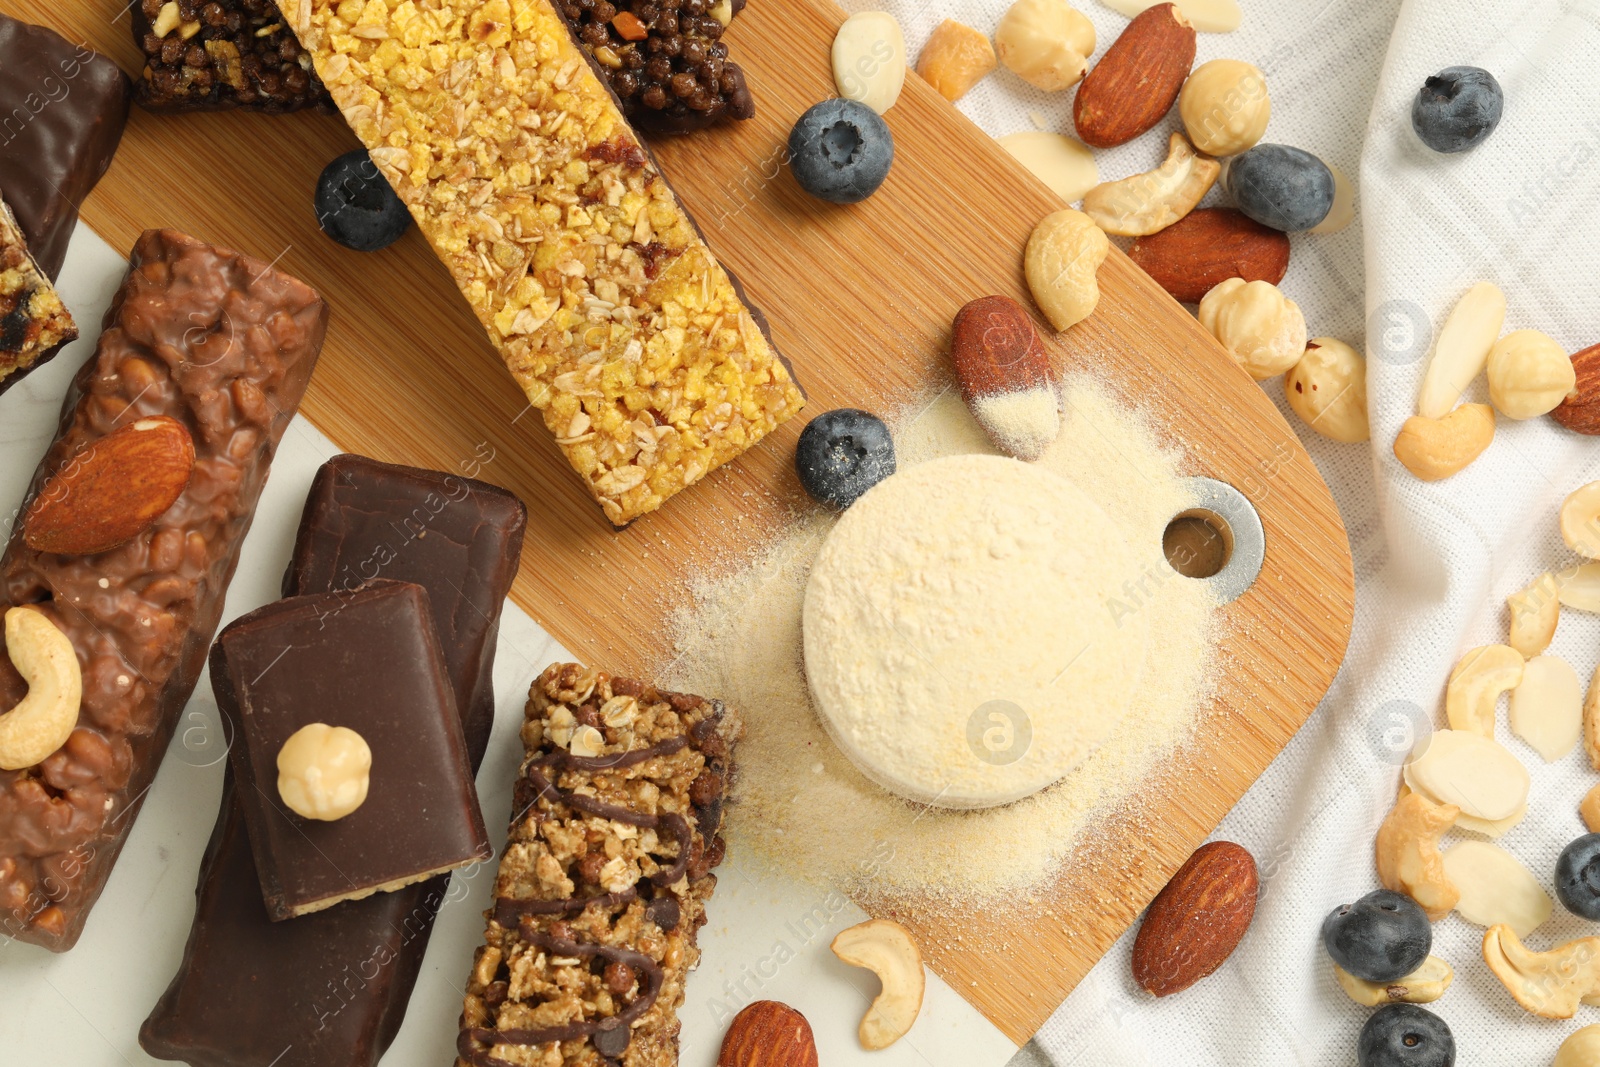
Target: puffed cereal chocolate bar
{"x":590,"y":278}
{"x":605,"y":877}
{"x":225,"y":345}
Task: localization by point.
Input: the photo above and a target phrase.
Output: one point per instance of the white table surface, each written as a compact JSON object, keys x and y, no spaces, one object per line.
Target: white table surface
{"x":766,"y":939}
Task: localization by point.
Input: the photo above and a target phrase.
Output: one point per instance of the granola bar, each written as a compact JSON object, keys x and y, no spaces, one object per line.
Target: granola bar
{"x":214,"y":55}
{"x":591,"y":279}
{"x":605,"y":877}
{"x":34,"y":324}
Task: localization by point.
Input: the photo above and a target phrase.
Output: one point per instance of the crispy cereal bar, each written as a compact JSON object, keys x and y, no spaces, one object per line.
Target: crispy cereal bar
{"x":591,"y":279}
{"x":605,"y":876}
{"x":34,"y":323}
{"x":214,"y":55}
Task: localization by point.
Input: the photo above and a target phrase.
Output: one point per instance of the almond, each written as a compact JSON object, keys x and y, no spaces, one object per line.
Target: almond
{"x":1580,"y":411}
{"x":113,"y":490}
{"x":1209,"y":246}
{"x":1197,"y":920}
{"x":768,"y":1034}
{"x":1138,"y":79}
{"x":1005,"y":375}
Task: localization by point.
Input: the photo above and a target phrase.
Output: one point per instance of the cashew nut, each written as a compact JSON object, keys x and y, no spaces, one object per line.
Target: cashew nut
{"x":46,"y":717}
{"x":1063,"y":254}
{"x":1534,"y":614}
{"x":324,"y":771}
{"x":1548,"y":984}
{"x":886,"y":949}
{"x":1257,"y":324}
{"x":1580,"y":1049}
{"x":1434,"y":449}
{"x":1045,"y":43}
{"x":1425,"y":984}
{"x":1409,"y":860}
{"x":1580,"y":520}
{"x":1476,"y":684}
{"x":1154,"y":200}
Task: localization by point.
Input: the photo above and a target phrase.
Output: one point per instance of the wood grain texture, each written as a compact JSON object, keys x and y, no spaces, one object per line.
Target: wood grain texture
{"x":860,"y":300}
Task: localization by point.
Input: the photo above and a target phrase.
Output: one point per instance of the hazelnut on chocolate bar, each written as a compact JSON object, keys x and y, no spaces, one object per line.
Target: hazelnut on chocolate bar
{"x":621,"y":327}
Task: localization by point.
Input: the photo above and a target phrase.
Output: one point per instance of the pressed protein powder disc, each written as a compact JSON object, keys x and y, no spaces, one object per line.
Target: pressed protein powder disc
{"x":968,"y":633}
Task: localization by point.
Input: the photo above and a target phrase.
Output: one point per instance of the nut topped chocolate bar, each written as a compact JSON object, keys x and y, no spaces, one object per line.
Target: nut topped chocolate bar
{"x":590,"y":278}
{"x":604,"y":880}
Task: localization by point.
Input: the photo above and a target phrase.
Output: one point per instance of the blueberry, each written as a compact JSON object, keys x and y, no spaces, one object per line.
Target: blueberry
{"x":1578,"y":876}
{"x":1381,"y":937}
{"x":356,"y":206}
{"x":1457,"y":109}
{"x":840,"y":151}
{"x":1288,"y":189}
{"x":1404,"y":1035}
{"x":842,"y":454}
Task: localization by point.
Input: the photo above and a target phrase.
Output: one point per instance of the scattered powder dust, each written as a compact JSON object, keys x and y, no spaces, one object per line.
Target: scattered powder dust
{"x":1023,"y":422}
{"x":802,"y":806}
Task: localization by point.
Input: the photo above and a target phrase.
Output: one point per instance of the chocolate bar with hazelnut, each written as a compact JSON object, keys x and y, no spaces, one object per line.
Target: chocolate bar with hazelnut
{"x":62,"y":109}
{"x":223,"y":344}
{"x":331,"y":989}
{"x":604,"y":881}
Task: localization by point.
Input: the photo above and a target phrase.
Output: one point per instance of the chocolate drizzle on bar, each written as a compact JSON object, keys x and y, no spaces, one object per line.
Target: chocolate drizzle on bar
{"x":558,"y":904}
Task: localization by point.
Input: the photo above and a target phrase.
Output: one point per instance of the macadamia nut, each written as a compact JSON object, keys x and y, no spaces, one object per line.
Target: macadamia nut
{"x":323,"y":771}
{"x":1262,"y":328}
{"x":1046,"y":43}
{"x":1225,"y":107}
{"x":1529,"y":374}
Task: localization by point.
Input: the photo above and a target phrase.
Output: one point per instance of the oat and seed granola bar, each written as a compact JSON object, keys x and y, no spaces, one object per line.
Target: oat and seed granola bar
{"x":34,"y":324}
{"x":589,"y":276}
{"x":605,"y":876}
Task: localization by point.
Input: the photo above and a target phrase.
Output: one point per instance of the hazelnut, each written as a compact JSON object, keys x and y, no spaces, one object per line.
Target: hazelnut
{"x":1045,"y":43}
{"x":1224,"y":106}
{"x":323,"y":771}
{"x":1257,"y":324}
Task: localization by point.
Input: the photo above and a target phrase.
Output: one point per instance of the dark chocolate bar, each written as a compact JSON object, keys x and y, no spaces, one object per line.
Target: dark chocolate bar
{"x":62,"y":109}
{"x":225,"y":345}
{"x":368,"y":661}
{"x":604,"y":881}
{"x":330,"y":989}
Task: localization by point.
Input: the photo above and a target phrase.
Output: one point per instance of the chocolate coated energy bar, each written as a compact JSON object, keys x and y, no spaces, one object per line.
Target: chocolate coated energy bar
{"x":330,"y":989}
{"x":224,"y":345}
{"x":605,"y":877}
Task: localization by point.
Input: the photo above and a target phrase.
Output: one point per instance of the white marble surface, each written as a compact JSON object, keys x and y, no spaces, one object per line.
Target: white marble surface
{"x":766,"y":939}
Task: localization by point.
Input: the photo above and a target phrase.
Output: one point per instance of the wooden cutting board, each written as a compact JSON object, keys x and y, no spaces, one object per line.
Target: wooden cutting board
{"x":860,"y":299}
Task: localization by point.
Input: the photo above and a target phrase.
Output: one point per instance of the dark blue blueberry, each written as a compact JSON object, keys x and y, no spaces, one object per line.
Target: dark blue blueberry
{"x":1404,"y":1035}
{"x":840,"y":151}
{"x":842,"y":454}
{"x":356,"y":206}
{"x":1578,"y":876}
{"x":1381,"y":937}
{"x":1288,"y":189}
{"x":1457,"y":109}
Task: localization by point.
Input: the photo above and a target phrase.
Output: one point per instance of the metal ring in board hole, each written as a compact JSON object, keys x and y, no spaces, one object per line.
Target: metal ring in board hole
{"x":1229,"y":514}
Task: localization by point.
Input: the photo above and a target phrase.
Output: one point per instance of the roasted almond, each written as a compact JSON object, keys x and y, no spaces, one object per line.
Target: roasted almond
{"x":1209,"y":246}
{"x":1138,"y":79}
{"x":1005,"y":375}
{"x":768,"y":1034}
{"x":1197,"y":920}
{"x":113,"y":490}
{"x":1580,"y":411}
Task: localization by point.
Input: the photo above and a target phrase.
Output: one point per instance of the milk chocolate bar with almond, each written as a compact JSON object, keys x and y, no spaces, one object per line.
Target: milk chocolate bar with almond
{"x":222,"y":345}
{"x":607,"y":306}
{"x":605,"y":877}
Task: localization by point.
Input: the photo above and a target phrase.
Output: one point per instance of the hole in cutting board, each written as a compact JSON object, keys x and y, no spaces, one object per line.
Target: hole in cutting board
{"x":1197,"y":543}
{"x":1218,"y":540}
